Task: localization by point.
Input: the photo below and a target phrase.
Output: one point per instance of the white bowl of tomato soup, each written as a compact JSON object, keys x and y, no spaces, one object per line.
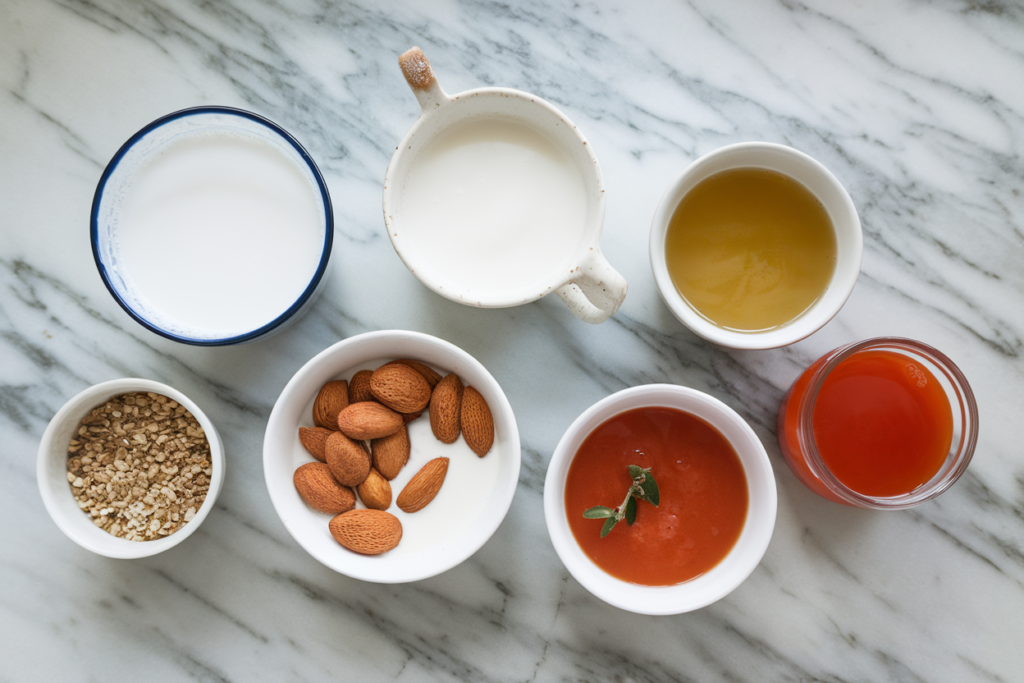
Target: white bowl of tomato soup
{"x":716,"y":500}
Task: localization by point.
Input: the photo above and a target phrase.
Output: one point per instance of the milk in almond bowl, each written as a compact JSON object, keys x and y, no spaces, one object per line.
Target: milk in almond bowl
{"x":469,"y":485}
{"x":212,"y":226}
{"x":494,"y":198}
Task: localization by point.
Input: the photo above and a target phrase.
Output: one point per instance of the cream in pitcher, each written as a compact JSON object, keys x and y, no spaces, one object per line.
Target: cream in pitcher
{"x":495,"y":199}
{"x":494,"y":187}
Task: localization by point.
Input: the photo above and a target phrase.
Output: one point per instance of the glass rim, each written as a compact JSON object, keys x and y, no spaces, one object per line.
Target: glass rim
{"x":962,"y":450}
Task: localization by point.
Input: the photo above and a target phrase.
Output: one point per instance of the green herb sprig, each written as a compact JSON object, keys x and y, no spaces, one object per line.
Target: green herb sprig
{"x":643,"y":487}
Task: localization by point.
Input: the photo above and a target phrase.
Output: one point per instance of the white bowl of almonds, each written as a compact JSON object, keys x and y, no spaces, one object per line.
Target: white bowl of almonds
{"x":129,"y":468}
{"x":392,"y":456}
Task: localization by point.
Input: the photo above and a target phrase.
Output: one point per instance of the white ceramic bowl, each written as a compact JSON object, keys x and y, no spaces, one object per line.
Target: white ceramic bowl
{"x":51,"y":471}
{"x":731,"y":571}
{"x":820,"y":182}
{"x":471,"y":504}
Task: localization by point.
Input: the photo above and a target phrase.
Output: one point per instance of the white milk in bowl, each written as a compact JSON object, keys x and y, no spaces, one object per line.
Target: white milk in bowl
{"x":491,"y":206}
{"x":211,"y":234}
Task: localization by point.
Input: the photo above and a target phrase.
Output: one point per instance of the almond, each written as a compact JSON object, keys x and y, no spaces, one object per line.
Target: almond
{"x":428,"y":373}
{"x":409,"y":417}
{"x":423,"y":486}
{"x":375,"y":491}
{"x":477,"y":422}
{"x":400,"y":388}
{"x":333,"y":397}
{"x":359,"y":387}
{"x":445,"y":408}
{"x":317,"y":487}
{"x":390,"y":453}
{"x":348,"y":460}
{"x":368,"y":420}
{"x":370,"y":532}
{"x":314,"y":440}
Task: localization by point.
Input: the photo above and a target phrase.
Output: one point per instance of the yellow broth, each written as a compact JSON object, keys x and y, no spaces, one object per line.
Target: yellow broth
{"x":750,"y":249}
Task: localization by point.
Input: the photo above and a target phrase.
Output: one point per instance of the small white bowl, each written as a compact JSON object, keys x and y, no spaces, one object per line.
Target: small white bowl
{"x":821,"y":183}
{"x":471,"y":504}
{"x":731,"y":571}
{"x":51,"y":471}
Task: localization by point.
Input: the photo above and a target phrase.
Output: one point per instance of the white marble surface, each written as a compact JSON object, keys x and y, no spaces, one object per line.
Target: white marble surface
{"x":917,"y":107}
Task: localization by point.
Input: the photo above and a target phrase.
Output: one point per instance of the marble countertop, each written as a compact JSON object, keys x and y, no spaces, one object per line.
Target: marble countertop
{"x":918,"y":108}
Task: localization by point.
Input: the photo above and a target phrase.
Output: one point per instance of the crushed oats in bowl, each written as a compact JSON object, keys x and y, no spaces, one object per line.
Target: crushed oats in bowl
{"x":140,"y":466}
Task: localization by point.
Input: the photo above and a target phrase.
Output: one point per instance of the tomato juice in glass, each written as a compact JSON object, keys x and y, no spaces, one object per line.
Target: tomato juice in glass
{"x":884,"y":423}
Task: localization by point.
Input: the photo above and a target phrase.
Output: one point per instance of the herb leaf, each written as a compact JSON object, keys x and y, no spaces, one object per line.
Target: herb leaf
{"x":599,"y":512}
{"x":641,"y":486}
{"x":609,"y":524}
{"x":650,"y":487}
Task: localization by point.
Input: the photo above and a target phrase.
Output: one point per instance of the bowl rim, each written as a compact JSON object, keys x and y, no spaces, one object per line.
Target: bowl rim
{"x":93,"y":538}
{"x":325,"y":197}
{"x":351,"y":564}
{"x":702,"y":590}
{"x":737,"y":156}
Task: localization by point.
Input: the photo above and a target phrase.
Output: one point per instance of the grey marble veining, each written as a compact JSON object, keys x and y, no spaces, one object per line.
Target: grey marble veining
{"x":918,"y":109}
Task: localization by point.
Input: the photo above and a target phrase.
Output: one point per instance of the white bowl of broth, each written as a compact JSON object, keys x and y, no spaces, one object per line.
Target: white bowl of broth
{"x":755,"y":246}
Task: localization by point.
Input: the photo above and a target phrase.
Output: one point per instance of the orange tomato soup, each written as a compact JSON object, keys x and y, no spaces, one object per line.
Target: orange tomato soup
{"x":703,"y":489}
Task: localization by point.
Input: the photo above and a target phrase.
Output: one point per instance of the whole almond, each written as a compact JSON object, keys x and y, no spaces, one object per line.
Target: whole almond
{"x":445,"y":408}
{"x":370,"y":532}
{"x":390,"y":453}
{"x":359,"y":387}
{"x":333,"y":397}
{"x":400,"y":388}
{"x":375,"y":491}
{"x":314,"y":440}
{"x":423,"y":486}
{"x":477,"y":422}
{"x":318,"y":487}
{"x":409,"y":417}
{"x":368,"y":420}
{"x":347,"y":460}
{"x":428,"y":373}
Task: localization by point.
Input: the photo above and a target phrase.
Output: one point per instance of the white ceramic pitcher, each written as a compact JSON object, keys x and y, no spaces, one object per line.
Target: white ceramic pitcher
{"x":582,"y":278}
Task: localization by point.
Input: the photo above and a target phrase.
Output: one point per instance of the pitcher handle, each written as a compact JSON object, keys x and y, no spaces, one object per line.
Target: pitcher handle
{"x":596,"y":290}
{"x":420,"y":77}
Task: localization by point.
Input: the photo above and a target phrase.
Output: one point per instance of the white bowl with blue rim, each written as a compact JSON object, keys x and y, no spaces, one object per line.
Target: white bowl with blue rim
{"x":212,"y":226}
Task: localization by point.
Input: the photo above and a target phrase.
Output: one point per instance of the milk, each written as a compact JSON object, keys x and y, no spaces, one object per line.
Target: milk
{"x":492,"y":205}
{"x":468,"y":486}
{"x":219,"y":235}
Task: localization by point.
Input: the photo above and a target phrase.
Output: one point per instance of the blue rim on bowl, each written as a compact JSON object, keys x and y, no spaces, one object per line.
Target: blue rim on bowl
{"x":272,"y":128}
